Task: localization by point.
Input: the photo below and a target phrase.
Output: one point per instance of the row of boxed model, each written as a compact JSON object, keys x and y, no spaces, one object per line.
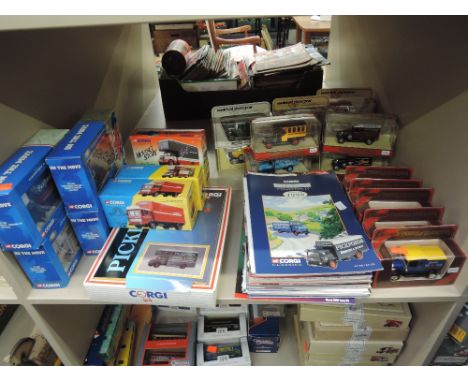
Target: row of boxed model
{"x":407,"y":232}
{"x":339,"y":122}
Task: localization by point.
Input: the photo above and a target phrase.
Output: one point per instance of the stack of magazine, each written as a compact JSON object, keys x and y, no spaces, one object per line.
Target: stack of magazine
{"x":285,"y":65}
{"x":304,"y":242}
{"x":203,"y":64}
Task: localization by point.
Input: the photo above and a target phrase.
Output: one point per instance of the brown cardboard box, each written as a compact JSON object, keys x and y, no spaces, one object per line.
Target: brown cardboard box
{"x":335,"y":332}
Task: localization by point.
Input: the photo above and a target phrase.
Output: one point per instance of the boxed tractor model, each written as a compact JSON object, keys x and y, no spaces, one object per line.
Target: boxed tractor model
{"x":146,"y":203}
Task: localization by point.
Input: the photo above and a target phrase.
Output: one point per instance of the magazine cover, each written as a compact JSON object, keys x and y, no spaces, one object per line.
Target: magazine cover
{"x":304,"y":225}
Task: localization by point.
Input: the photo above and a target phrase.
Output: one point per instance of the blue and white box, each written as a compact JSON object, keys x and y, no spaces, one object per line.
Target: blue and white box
{"x":29,"y":201}
{"x":91,"y":230}
{"x":137,"y":171}
{"x":81,"y":164}
{"x":52,"y":264}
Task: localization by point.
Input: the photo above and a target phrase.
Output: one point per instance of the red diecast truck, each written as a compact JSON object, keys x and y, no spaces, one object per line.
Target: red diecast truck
{"x":161,"y":188}
{"x":152,"y":214}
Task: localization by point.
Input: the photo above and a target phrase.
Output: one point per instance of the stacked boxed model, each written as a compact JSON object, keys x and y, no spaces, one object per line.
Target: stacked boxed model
{"x":32,"y":219}
{"x":361,"y":334}
{"x":80,"y":164}
{"x":231,"y":131}
{"x":264,"y":328}
{"x":222,"y":337}
{"x":173,"y":147}
{"x":407,"y":232}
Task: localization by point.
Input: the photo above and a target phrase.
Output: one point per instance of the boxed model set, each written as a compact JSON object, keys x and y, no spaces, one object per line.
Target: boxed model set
{"x":52,"y":263}
{"x":426,"y":255}
{"x":173,"y":147}
{"x":232,"y":129}
{"x":164,"y":267}
{"x":233,"y":353}
{"x":316,"y":105}
{"x":221,"y":328}
{"x":360,"y":134}
{"x":141,"y":203}
{"x":285,"y":136}
{"x":91,"y":230}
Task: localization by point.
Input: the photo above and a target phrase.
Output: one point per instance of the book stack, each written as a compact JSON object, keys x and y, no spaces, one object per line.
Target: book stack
{"x":361,"y":334}
{"x":304,"y":242}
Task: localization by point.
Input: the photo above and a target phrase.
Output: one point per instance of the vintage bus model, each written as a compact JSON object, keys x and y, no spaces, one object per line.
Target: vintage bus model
{"x":413,"y":260}
{"x":286,"y":135}
{"x":178,"y":259}
{"x":152,"y":214}
{"x":161,"y":188}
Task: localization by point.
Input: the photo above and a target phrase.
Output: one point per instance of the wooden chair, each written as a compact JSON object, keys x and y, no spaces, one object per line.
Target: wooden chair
{"x":216,"y":40}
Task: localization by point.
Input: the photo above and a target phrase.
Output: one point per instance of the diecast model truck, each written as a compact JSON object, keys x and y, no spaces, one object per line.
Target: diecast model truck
{"x":178,"y":172}
{"x":161,"y":188}
{"x":286,"y":135}
{"x":342,"y":163}
{"x":367,"y":133}
{"x":327,"y":253}
{"x":278,"y":164}
{"x":174,"y":259}
{"x":293,"y":227}
{"x":236,"y":156}
{"x":237,"y":131}
{"x":152,"y":214}
{"x":413,"y":260}
{"x":169,"y":157}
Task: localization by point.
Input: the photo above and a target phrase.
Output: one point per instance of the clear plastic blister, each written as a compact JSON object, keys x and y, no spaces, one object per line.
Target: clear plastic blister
{"x":282,"y":165}
{"x":339,"y":162}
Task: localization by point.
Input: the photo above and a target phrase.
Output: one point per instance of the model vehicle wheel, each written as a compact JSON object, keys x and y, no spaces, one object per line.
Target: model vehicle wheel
{"x":341,"y":140}
{"x":178,"y":226}
{"x":295,"y":142}
{"x":359,"y":255}
{"x":336,"y":168}
{"x":395,"y":277}
{"x":153,"y":225}
{"x":268,"y":145}
{"x":138,"y":226}
{"x":290,"y":168}
{"x":156,"y":264}
{"x":432,"y":275}
{"x":296,"y":233}
{"x":332,"y":264}
{"x":369,"y":141}
{"x":240,"y":158}
{"x":171,"y":162}
{"x":183,"y":266}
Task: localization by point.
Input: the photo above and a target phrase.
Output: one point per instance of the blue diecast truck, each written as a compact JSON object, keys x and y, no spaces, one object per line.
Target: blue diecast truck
{"x":278,"y":164}
{"x":293,"y":227}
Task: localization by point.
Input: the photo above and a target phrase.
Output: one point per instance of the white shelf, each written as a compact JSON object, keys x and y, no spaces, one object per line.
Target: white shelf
{"x":7,"y":296}
{"x":19,"y":326}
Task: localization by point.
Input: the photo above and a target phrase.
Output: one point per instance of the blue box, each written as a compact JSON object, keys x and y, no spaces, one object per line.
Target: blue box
{"x":91,"y":230}
{"x":137,"y":171}
{"x":29,"y":201}
{"x":264,"y":336}
{"x":54,"y":261}
{"x":81,"y":164}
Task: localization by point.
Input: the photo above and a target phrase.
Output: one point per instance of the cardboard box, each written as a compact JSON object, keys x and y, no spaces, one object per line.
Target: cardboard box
{"x":29,"y":201}
{"x":165,"y":146}
{"x":451,"y":353}
{"x":149,"y":203}
{"x":377,"y":316}
{"x":81,"y":164}
{"x":211,"y":329}
{"x":242,"y":359}
{"x":335,"y":332}
{"x":91,"y":230}
{"x":52,"y":264}
{"x":118,"y":273}
{"x":264,"y":335}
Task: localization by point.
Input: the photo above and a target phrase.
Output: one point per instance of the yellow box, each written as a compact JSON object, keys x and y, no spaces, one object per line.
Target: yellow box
{"x":184,"y":174}
{"x":164,"y":203}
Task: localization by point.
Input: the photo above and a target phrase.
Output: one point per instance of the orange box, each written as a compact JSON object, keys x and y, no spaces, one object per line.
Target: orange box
{"x":164,"y":146}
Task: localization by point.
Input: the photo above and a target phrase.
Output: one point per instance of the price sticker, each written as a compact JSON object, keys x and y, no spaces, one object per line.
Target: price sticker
{"x":221,"y":330}
{"x":385,"y":153}
{"x":223,"y":358}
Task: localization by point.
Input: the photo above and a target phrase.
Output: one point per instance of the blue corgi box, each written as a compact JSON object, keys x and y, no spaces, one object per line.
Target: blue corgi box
{"x":81,"y":164}
{"x":29,"y":201}
{"x":91,"y":230}
{"x":54,"y":261}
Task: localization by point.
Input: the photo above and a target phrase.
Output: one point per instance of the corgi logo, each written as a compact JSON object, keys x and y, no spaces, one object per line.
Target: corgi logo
{"x":5,"y":205}
{"x":115,"y":202}
{"x":148,"y":295}
{"x":80,"y":206}
{"x":286,"y":261}
{"x":18,"y":246}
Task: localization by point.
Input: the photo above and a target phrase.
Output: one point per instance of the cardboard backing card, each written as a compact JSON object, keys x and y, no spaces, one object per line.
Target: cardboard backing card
{"x":376,"y":172}
{"x":356,"y":185}
{"x":417,"y":256}
{"x":432,"y":215}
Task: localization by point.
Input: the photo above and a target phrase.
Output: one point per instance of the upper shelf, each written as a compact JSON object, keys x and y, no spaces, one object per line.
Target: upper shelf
{"x":7,"y":296}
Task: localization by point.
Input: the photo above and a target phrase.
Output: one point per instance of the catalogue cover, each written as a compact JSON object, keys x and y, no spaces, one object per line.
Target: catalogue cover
{"x":303,"y":225}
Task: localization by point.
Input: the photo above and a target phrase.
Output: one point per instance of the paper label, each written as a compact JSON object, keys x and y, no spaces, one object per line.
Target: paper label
{"x":221,"y":330}
{"x":353,"y":314}
{"x":223,"y":358}
{"x":385,"y":153}
{"x":340,"y":206}
{"x":453,"y":270}
{"x":313,"y":150}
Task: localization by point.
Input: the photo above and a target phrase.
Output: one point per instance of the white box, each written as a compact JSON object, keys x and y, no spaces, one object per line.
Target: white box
{"x":222,"y":335}
{"x":224,"y":360}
